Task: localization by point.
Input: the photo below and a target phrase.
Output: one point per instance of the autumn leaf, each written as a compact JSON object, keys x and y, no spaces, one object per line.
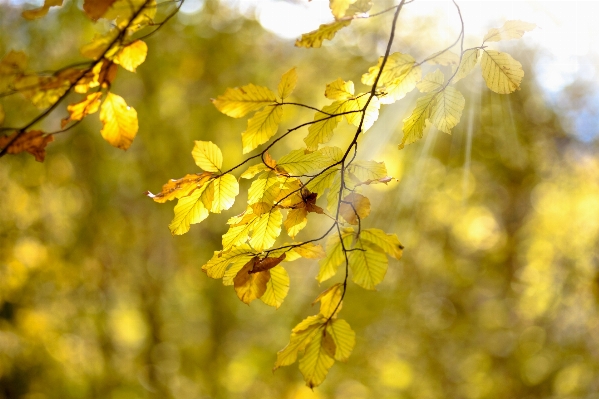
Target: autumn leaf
{"x":240,"y":101}
{"x":334,"y":255}
{"x":354,"y":208}
{"x":310,"y":251}
{"x":387,"y":242}
{"x":119,"y":120}
{"x":413,"y":126}
{"x":367,"y":171}
{"x":315,"y":38}
{"x":207,"y":156}
{"x":33,"y":142}
{"x":330,"y":301}
{"x":132,"y":56}
{"x":326,"y":121}
{"x":447,"y":109}
{"x":42,"y":11}
{"x":250,"y":286}
{"x":261,"y":127}
{"x":2,"y":114}
{"x":276,"y":288}
{"x":266,"y":230}
{"x":177,"y":188}
{"x":299,"y":162}
{"x":469,"y":60}
{"x":89,"y":105}
{"x":445,"y":58}
{"x":323,"y":181}
{"x":397,"y":89}
{"x":189,"y":210}
{"x":369,"y":116}
{"x":431,"y":82}
{"x":301,"y":336}
{"x":12,"y":66}
{"x":501,"y":72}
{"x":95,"y":9}
{"x":397,"y":65}
{"x":223,"y":191}
{"x":339,"y":7}
{"x":288,"y":83}
{"x":510,"y":30}
{"x":343,"y":337}
{"x":102,"y":45}
{"x":296,"y":220}
{"x":316,"y":362}
{"x":339,"y":90}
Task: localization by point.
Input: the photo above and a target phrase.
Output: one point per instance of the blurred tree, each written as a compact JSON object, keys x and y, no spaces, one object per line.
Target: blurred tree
{"x":98,"y":302}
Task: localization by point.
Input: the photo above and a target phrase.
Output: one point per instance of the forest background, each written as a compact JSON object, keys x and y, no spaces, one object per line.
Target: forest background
{"x":496,"y":295}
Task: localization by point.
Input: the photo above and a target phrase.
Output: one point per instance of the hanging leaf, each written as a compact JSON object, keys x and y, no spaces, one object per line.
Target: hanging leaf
{"x":354,"y":207}
{"x":132,"y":56}
{"x":368,"y":265}
{"x":216,"y":267}
{"x":469,"y":60}
{"x":387,"y":242}
{"x":501,"y":72}
{"x":89,"y":105}
{"x":296,"y":221}
{"x":316,"y":362}
{"x":240,"y":101}
{"x":315,"y":38}
{"x":431,"y":82}
{"x":339,"y":7}
{"x":177,"y":188}
{"x":119,"y":120}
{"x":399,"y":87}
{"x":288,"y":83}
{"x":510,"y":30}
{"x":189,"y":210}
{"x":301,"y":335}
{"x":310,"y":251}
{"x":33,"y":142}
{"x":261,"y":127}
{"x":250,"y":286}
{"x":370,"y":115}
{"x":298,"y":162}
{"x":334,"y":255}
{"x":207,"y":156}
{"x":413,"y":126}
{"x":330,"y":301}
{"x":447,"y":109}
{"x":397,"y":65}
{"x":339,"y":90}
{"x":266,"y":230}
{"x":445,"y":58}
{"x":223,"y":191}
{"x":343,"y":337}
{"x":322,"y":131}
{"x":276,"y":288}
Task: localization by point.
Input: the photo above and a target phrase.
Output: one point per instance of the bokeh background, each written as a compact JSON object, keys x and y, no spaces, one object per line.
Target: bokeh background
{"x":496,"y":296}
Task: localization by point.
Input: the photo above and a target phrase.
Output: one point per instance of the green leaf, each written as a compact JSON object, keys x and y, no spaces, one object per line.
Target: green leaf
{"x":240,"y":101}
{"x":207,"y":156}
{"x":261,"y":127}
{"x":277,"y":287}
{"x":501,"y":72}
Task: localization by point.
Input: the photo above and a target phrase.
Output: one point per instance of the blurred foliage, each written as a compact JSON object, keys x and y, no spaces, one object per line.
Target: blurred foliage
{"x":496,"y":295}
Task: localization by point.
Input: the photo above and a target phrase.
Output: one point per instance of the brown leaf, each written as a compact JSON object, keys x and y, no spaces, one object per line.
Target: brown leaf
{"x":250,"y":286}
{"x":268,"y":161}
{"x":354,"y":207}
{"x":33,"y":141}
{"x":261,"y":265}
{"x":95,"y":9}
{"x":177,"y":188}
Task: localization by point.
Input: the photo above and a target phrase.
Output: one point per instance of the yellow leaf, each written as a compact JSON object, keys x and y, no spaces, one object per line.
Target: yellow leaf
{"x":296,"y":221}
{"x":315,"y":363}
{"x":239,"y":101}
{"x":387,"y":242}
{"x":364,"y":171}
{"x":99,"y":45}
{"x":310,"y":251}
{"x":339,"y":7}
{"x":399,"y":87}
{"x":250,"y":286}
{"x":339,"y":90}
{"x":132,"y":56}
{"x":43,"y":91}
{"x":335,"y":256}
{"x":253,"y":171}
{"x":371,"y":114}
{"x":445,"y":58}
{"x":413,"y":126}
{"x":509,"y":30}
{"x":321,"y":131}
{"x":42,"y":11}
{"x":215,"y":267}
{"x":238,"y":234}
{"x":469,"y":61}
{"x":277,"y":287}
{"x":119,"y":120}
{"x":324,"y":32}
{"x":447,"y":109}
{"x":368,"y":266}
{"x":266,"y":230}
{"x":331,"y":154}
{"x":80,"y":110}
{"x":265,"y":188}
{"x":397,"y":65}
{"x":287,"y":84}
{"x":301,"y":335}
{"x":224,"y":189}
{"x":207,"y":156}
{"x":298,"y":162}
{"x":330,"y":301}
{"x":501,"y":72}
{"x":343,"y":337}
{"x":354,"y":208}
{"x":189,"y":210}
{"x":177,"y":188}
{"x":96,"y":9}
{"x":323,"y":181}
{"x":124,"y":10}
{"x":359,"y":7}
{"x":431,"y":82}
{"x":261,"y":127}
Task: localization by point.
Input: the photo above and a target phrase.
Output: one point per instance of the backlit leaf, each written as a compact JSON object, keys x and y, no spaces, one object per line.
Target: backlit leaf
{"x":301,"y":335}
{"x":287,"y":84}
{"x":324,"y":32}
{"x":239,"y":101}
{"x":132,"y":56}
{"x":207,"y":156}
{"x":89,"y":105}
{"x":322,"y":131}
{"x":261,"y":127}
{"x":253,"y":171}
{"x":298,"y":162}
{"x":177,"y":188}
{"x":368,"y":266}
{"x":96,"y":9}
{"x":330,"y":301}
{"x":119,"y":120}
{"x":277,"y":287}
{"x":238,"y":234}
{"x":387,"y":242}
{"x":33,"y":142}
{"x":296,"y":221}
{"x":469,"y":60}
{"x":323,"y":181}
{"x":339,"y":90}
{"x":315,"y":363}
{"x":265,"y":188}
{"x":413,"y":126}
{"x":225,"y":189}
{"x":344,"y":338}
{"x":189,"y":210}
{"x":266,"y":230}
{"x":363,"y":171}
{"x":447,"y":109}
{"x":43,"y":10}
{"x":250,"y":286}
{"x":397,"y":65}
{"x":509,"y":30}
{"x":445,"y":58}
{"x":354,"y":207}
{"x":310,"y":251}
{"x":371,"y":114}
{"x":334,"y":255}
{"x":215,"y":267}
{"x":399,"y":87}
{"x":501,"y":72}
{"x":431,"y":82}
{"x":339,"y":7}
